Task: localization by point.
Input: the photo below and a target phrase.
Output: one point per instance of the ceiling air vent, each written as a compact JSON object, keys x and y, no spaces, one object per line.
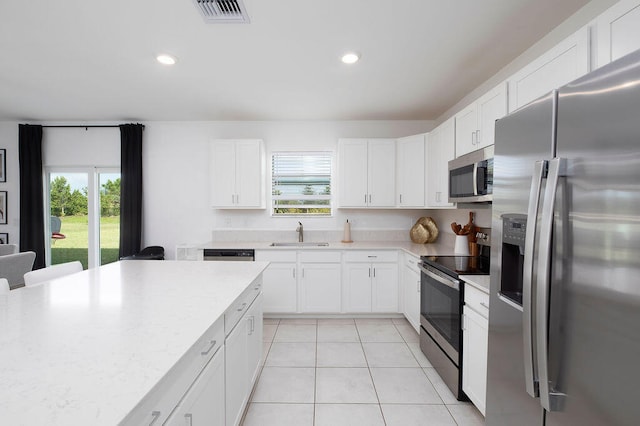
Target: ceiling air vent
{"x":222,"y":11}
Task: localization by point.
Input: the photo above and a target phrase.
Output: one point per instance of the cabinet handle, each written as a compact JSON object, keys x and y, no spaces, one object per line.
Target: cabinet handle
{"x":237,"y":199}
{"x":369,"y":272}
{"x":189,"y":418}
{"x":400,"y":198}
{"x":369,"y":198}
{"x":374,"y":272}
{"x":438,"y":196}
{"x":212,"y":344}
{"x":294,"y":272}
{"x":478,"y":137}
{"x":365,"y":198}
{"x":233,"y":199}
{"x":372,"y":256}
{"x":418,"y":286}
{"x":241,"y":308}
{"x":156,"y":416}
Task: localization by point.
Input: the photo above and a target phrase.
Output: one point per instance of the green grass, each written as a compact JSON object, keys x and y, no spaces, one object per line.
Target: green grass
{"x":75,"y":245}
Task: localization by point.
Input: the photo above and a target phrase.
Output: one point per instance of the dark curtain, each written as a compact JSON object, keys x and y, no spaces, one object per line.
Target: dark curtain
{"x":32,"y":215}
{"x":130,"y":189}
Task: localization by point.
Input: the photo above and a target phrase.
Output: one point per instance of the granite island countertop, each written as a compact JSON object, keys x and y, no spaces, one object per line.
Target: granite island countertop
{"x":85,"y":349}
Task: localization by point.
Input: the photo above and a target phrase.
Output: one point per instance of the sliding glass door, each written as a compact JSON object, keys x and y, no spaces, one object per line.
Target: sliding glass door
{"x":84,"y":212}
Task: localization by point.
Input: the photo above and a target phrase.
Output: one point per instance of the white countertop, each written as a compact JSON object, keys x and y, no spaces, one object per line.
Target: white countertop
{"x":481,"y":282}
{"x":443,"y":247}
{"x":85,"y":349}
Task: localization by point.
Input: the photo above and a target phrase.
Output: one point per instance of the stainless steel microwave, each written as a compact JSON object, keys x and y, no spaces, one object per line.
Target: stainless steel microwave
{"x":471,"y":177}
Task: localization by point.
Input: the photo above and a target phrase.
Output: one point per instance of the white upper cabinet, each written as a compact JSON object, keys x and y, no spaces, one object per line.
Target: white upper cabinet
{"x":236,"y":173}
{"x":440,"y":150}
{"x":563,"y":63}
{"x":475,"y":125}
{"x":618,"y":31}
{"x":410,"y":176}
{"x":367,"y":172}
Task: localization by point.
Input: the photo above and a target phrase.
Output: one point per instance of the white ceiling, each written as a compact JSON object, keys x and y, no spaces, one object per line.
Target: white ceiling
{"x":95,"y":60}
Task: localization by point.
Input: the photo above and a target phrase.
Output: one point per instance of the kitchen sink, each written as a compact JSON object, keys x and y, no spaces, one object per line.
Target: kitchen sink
{"x":299,"y":244}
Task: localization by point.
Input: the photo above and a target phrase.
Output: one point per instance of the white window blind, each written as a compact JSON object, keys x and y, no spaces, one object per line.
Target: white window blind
{"x":301,"y":183}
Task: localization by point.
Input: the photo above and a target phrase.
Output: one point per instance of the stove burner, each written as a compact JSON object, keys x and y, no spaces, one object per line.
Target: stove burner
{"x":459,"y":265}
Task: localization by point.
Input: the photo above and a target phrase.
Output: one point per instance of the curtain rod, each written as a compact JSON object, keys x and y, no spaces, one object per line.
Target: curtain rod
{"x":86,"y":127}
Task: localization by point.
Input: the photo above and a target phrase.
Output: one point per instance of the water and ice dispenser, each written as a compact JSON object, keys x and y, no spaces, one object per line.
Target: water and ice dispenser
{"x":514,"y":229}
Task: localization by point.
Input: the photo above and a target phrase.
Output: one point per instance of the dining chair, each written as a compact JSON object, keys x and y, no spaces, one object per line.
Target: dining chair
{"x":51,"y":272}
{"x":14,"y":266}
{"x":4,"y":286}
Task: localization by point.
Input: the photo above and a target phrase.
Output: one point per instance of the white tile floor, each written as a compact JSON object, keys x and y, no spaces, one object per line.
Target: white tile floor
{"x":350,"y":372}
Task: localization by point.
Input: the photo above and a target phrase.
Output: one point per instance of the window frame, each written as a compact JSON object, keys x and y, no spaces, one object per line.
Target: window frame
{"x":330,"y":197}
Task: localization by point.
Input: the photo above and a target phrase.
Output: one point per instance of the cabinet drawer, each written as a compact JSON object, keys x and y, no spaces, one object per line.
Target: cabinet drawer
{"x":371,"y":256}
{"x":313,"y":256}
{"x":240,"y":306}
{"x":476,"y":300}
{"x":276,"y":255}
{"x":156,"y":406}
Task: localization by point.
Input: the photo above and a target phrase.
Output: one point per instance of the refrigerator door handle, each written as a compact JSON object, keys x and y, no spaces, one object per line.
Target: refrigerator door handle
{"x":550,"y":399}
{"x":528,"y":313}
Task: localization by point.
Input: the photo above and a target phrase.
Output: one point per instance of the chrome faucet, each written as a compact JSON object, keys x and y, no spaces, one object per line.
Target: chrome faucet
{"x":299,"y":230}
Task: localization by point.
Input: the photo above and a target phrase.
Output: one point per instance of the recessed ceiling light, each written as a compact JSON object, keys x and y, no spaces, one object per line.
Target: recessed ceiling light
{"x":166,"y":59}
{"x":350,"y":58}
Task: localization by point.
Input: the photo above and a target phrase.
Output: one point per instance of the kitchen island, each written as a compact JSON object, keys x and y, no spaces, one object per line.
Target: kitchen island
{"x":94,"y":347}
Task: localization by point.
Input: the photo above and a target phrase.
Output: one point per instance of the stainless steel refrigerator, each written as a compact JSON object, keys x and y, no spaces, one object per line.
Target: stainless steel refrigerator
{"x":564,"y":321}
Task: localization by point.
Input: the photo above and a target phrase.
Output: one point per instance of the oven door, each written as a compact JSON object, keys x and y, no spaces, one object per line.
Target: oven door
{"x":440,"y":309}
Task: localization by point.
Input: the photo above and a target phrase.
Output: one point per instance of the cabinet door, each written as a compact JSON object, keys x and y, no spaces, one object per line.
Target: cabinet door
{"x":249,"y":171}
{"x":357,"y":287}
{"x":441,"y":150}
{"x":557,"y":67}
{"x":384,"y":287}
{"x":491,"y":106}
{"x":466,"y":127}
{"x":280,"y":288}
{"x":618,"y":31}
{"x":254,"y":340}
{"x":411,"y":293}
{"x":204,"y":402}
{"x":474,"y":366}
{"x":236,"y":373}
{"x":222,"y":164}
{"x":382,"y":175}
{"x":410,"y":171}
{"x":320,"y":287}
{"x":352,"y":166}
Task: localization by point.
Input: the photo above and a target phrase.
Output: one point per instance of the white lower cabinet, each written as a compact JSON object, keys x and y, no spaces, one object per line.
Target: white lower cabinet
{"x":371,"y":282}
{"x":204,"y":403}
{"x":320,"y":282}
{"x":475,"y":336}
{"x":411,"y":291}
{"x":243,"y":351}
{"x":279,"y":281}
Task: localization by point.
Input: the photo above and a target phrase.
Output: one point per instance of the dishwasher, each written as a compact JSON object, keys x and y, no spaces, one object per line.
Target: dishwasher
{"x":229,"y":255}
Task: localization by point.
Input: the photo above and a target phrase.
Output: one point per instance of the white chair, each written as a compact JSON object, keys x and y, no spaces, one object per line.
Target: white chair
{"x":55,"y":271}
{"x":4,"y":286}
{"x":6,"y":249}
{"x":14,"y":266}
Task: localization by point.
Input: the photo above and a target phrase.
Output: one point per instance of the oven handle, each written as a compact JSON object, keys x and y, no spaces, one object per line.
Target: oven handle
{"x":449,"y":282}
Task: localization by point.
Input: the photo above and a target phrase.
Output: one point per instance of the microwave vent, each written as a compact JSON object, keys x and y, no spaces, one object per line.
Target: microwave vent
{"x":223,"y":11}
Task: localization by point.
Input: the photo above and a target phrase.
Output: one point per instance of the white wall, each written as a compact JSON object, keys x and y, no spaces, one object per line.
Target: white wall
{"x":9,"y":141}
{"x":176,"y":191}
